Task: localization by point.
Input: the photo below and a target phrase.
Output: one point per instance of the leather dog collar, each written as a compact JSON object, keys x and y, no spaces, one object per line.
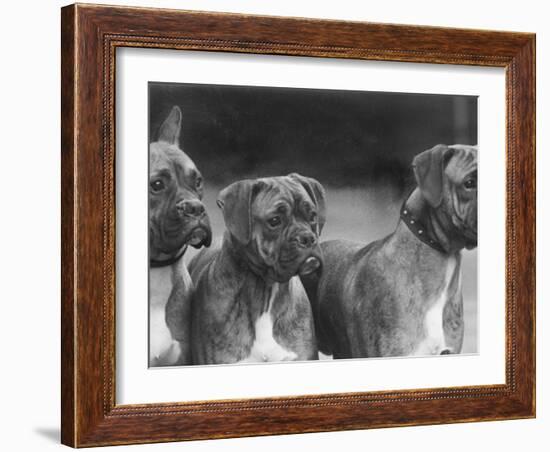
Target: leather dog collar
{"x":416,"y":226}
{"x":164,"y":263}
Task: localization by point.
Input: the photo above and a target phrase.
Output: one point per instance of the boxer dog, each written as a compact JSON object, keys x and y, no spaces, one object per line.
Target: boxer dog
{"x":177,"y":219}
{"x":249,"y":304}
{"x":402,"y":295}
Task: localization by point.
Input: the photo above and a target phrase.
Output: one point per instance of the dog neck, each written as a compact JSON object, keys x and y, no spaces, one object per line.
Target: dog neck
{"x":242,"y":258}
{"x":430,"y":225}
{"x":164,"y":260}
{"x":250,"y":283}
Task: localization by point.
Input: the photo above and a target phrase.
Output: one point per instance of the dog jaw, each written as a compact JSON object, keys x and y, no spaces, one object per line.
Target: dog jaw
{"x":310,"y":265}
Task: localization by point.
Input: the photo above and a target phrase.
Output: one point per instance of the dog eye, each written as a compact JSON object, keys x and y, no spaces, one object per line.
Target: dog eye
{"x":157,"y":185}
{"x":198,"y":182}
{"x":313,"y":217}
{"x":470,"y":184}
{"x":274,"y":221}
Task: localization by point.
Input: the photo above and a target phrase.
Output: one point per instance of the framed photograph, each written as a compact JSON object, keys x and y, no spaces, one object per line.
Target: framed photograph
{"x":282,"y":225}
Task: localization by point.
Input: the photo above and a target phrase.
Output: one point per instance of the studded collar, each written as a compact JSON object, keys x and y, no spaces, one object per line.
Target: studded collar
{"x":418,"y":228}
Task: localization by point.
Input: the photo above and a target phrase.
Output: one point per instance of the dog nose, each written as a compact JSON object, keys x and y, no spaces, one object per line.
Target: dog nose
{"x":306,"y":239}
{"x":190,"y":207}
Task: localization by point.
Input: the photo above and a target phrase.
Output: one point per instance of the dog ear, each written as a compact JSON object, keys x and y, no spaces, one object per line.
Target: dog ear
{"x":170,"y":129}
{"x":428,"y":168}
{"x":317,"y":194}
{"x":235,"y":201}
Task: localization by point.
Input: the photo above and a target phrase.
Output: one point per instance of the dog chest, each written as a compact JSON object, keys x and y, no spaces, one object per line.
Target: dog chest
{"x":265,"y":348}
{"x":163,"y":349}
{"x":434,"y":335}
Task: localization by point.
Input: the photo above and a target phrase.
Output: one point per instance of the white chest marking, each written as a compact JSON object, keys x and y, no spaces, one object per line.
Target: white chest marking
{"x":163,"y":350}
{"x":265,"y":348}
{"x":434,"y":341}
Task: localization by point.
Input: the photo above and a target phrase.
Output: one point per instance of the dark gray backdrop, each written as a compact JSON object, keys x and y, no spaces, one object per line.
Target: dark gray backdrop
{"x":340,"y":137}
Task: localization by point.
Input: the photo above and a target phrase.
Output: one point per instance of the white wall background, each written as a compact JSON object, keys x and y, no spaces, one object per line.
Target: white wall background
{"x":29,"y":256}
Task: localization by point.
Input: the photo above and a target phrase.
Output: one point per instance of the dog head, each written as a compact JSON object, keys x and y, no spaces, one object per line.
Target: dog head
{"x":176,"y":214}
{"x":277,"y":222}
{"x":447,"y":178}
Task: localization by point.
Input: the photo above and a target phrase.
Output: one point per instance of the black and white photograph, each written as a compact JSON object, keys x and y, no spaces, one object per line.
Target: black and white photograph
{"x":293,"y":224}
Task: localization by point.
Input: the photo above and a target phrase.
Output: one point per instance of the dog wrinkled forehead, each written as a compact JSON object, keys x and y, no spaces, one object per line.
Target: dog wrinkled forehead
{"x":282,"y":189}
{"x":169,"y":157}
{"x":462,"y":162}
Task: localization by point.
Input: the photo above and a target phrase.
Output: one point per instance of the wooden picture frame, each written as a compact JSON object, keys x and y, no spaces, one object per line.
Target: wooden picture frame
{"x":90,"y":36}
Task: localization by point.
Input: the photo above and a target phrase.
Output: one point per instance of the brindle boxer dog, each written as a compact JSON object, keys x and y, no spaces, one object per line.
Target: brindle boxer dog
{"x":249,"y":304}
{"x":402,"y":295}
{"x":177,"y":218}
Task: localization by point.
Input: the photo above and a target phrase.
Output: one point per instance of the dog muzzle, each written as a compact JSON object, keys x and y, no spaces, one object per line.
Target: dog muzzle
{"x":310,"y":265}
{"x":199,"y":236}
